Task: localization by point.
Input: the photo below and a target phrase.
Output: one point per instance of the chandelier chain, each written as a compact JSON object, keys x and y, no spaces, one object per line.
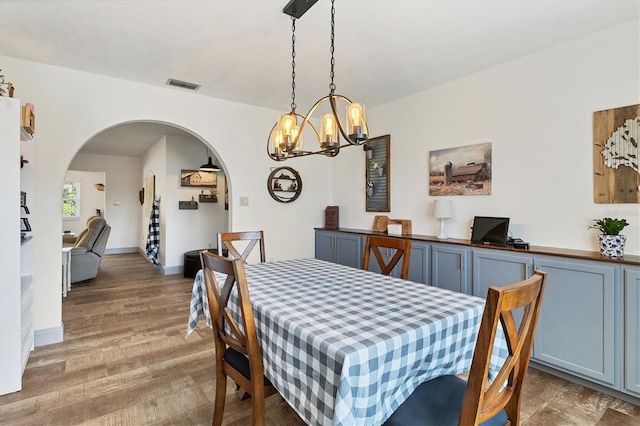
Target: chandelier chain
{"x":332,"y":86}
{"x":293,"y":64}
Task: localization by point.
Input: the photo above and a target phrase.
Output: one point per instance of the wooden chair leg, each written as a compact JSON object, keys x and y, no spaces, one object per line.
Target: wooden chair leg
{"x":221,"y":395}
{"x":258,"y":411}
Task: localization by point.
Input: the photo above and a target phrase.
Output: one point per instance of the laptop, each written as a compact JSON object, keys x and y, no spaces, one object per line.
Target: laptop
{"x":490,"y":230}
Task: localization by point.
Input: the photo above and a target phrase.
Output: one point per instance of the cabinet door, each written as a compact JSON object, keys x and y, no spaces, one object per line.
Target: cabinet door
{"x":497,"y":269}
{"x":418,"y":263}
{"x":576,"y":327}
{"x":449,"y":268}
{"x":631,"y":278}
{"x":348,"y":249}
{"x":325,"y":246}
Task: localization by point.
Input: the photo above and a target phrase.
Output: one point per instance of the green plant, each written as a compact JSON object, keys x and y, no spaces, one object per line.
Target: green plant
{"x":608,"y":226}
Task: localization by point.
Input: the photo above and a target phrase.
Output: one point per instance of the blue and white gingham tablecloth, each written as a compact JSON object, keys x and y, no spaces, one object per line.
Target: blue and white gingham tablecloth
{"x":345,"y":346}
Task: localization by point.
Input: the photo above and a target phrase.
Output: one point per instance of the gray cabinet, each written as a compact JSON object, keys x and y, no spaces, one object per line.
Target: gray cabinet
{"x":491,"y":268}
{"x":576,"y":327}
{"x":339,"y":247}
{"x":419,"y":262}
{"x":449,"y":267}
{"x":631,"y":277}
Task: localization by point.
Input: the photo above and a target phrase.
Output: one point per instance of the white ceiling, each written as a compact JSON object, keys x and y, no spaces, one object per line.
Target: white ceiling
{"x":240,"y":50}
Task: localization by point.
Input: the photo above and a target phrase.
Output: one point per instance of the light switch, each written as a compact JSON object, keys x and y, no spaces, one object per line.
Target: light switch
{"x":244,"y":201}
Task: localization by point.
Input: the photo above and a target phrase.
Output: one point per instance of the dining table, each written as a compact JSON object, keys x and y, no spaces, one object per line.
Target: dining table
{"x":345,"y":346}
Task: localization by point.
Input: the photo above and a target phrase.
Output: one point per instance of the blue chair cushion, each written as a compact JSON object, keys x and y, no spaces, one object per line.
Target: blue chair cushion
{"x":437,"y":402}
{"x":240,"y":362}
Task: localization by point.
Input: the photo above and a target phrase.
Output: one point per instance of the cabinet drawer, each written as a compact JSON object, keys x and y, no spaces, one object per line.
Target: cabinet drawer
{"x":26,"y":303}
{"x":26,"y":328}
{"x":26,"y":284}
{"x":27,"y":346}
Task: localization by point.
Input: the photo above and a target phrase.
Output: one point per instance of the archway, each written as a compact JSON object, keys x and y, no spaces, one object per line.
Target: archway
{"x":130,"y":152}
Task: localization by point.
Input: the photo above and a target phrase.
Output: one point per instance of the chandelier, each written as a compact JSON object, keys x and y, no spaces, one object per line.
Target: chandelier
{"x":286,"y":138}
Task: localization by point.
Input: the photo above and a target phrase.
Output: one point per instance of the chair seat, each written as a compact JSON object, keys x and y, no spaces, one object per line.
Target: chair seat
{"x":437,"y":402}
{"x":241,"y":363}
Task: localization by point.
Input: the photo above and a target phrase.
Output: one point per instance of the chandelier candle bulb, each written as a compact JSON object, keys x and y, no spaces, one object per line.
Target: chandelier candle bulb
{"x":329,"y":128}
{"x":296,"y":139}
{"x":287,"y":122}
{"x":355,"y":120}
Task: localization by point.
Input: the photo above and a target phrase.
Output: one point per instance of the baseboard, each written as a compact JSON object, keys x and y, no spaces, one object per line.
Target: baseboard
{"x":172,"y":270}
{"x":586,"y":383}
{"x":122,"y":250}
{"x":169,"y":270}
{"x":48,"y":336}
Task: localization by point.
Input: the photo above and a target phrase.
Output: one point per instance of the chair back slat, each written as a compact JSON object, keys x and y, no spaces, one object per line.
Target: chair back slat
{"x":481,"y":402}
{"x":252,"y":238}
{"x":402,"y":248}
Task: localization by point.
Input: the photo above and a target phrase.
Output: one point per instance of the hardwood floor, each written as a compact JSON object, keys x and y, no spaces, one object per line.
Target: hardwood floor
{"x":125,"y":361}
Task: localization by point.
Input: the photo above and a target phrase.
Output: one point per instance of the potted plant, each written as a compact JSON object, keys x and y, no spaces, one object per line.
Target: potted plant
{"x":611,"y":242}
{"x":9,"y":90}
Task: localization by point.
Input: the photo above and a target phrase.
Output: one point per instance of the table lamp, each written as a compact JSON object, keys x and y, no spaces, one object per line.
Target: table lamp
{"x":442,"y":209}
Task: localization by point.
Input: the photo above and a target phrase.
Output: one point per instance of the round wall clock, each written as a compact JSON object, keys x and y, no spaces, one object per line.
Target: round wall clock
{"x":284,"y":184}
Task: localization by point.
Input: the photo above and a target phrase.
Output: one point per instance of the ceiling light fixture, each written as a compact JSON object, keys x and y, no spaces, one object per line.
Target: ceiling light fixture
{"x":209,"y":167}
{"x":286,"y":136}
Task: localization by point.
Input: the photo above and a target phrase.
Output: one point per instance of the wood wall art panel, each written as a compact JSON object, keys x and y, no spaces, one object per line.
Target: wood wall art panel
{"x":615,"y":155}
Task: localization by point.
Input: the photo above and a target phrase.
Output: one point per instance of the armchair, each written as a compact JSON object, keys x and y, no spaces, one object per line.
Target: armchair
{"x":87,"y":252}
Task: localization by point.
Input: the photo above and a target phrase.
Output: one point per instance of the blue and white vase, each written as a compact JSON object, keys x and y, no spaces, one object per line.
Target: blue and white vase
{"x":612,"y":245}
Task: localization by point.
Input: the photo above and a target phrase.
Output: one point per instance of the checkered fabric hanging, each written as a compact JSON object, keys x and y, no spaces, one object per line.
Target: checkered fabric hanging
{"x":153,"y":239}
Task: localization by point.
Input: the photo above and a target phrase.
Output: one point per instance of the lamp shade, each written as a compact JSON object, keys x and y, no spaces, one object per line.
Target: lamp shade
{"x":442,"y":209}
{"x":209,"y":167}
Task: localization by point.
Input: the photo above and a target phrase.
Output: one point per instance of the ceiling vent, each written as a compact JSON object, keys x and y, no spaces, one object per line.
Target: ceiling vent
{"x":182,"y":84}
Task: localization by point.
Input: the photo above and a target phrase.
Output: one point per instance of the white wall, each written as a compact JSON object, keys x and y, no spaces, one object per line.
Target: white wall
{"x":181,"y":230}
{"x":189,"y":229}
{"x":73,"y":106}
{"x":537,"y":112}
{"x":90,"y":199}
{"x":154,"y":163}
{"x":122,"y":186}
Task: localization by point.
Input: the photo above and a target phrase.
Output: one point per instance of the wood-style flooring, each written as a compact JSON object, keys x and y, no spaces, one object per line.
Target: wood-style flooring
{"x":125,"y":361}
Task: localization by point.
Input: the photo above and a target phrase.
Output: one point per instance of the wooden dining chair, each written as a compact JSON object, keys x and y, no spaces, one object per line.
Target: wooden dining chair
{"x":236,"y":344}
{"x":449,"y":400}
{"x":226,"y":239}
{"x":403,"y":251}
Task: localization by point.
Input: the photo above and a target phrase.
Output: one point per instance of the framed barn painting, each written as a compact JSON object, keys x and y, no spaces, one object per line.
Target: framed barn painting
{"x":464,"y":170}
{"x":199,"y":179}
{"x":616,"y":178}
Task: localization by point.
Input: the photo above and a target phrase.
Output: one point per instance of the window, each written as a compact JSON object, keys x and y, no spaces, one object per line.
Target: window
{"x":71,"y":200}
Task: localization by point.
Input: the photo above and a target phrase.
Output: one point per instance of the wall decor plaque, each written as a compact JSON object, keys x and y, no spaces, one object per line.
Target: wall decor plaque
{"x":377,"y":183}
{"x":616,"y":178}
{"x":284,"y":184}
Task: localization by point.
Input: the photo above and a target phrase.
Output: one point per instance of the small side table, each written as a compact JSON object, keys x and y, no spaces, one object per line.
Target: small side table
{"x":66,"y":270}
